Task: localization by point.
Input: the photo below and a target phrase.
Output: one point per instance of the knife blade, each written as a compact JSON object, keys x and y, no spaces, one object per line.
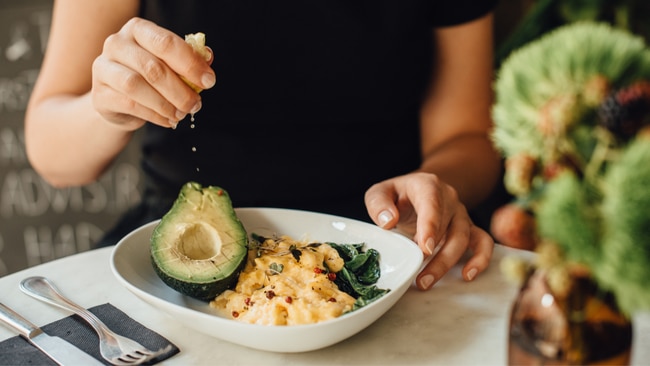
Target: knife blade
{"x":57,"y":349}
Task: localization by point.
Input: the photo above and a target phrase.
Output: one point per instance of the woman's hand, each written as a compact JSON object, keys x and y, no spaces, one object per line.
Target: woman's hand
{"x":422,"y":205}
{"x":136,"y":78}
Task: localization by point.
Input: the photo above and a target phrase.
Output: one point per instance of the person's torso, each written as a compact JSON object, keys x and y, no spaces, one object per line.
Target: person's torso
{"x":314,"y":101}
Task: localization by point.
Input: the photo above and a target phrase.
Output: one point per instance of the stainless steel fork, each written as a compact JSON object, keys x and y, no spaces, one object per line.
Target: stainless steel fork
{"x":114,"y":348}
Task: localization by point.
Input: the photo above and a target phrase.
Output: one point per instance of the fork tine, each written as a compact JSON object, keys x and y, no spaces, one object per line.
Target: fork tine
{"x":126,"y":363}
{"x":139,"y":356}
{"x":128,"y":360}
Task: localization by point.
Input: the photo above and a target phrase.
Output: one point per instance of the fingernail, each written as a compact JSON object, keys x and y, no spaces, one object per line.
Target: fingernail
{"x":384,"y":218}
{"x":180,"y":115}
{"x":426,"y":281}
{"x":173,"y":124}
{"x":209,"y":55}
{"x":430,"y":245}
{"x":196,"y":108}
{"x":208,"y":80}
{"x":471,"y":273}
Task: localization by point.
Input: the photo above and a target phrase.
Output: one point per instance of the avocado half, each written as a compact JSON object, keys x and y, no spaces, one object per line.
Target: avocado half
{"x":200,"y":246}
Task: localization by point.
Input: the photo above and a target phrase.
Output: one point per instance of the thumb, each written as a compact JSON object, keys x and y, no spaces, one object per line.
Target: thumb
{"x":380,"y":203}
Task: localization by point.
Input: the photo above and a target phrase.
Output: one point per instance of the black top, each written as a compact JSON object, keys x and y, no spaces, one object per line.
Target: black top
{"x":315,"y":100}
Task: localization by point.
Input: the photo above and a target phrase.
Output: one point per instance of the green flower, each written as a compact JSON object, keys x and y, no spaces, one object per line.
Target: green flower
{"x":588,"y":188}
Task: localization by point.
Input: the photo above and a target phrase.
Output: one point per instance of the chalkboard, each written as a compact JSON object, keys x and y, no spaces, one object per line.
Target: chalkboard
{"x":39,"y":223}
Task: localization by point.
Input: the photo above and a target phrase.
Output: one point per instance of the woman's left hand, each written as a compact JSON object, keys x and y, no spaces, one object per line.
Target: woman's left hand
{"x":422,"y":205}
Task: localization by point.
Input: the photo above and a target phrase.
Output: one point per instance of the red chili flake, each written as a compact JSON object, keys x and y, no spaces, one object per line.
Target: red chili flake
{"x":332,"y":299}
{"x":331,"y":276}
{"x":318,"y":270}
{"x":247,"y":301}
{"x":220,"y":192}
{"x":270,"y":294}
{"x":288,"y":299}
{"x":235,"y":314}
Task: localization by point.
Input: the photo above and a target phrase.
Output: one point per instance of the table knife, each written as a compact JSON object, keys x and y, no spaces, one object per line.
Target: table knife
{"x":57,"y":349}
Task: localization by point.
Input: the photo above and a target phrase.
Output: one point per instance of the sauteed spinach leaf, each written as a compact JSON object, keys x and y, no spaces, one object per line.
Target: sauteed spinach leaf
{"x":360,"y":273}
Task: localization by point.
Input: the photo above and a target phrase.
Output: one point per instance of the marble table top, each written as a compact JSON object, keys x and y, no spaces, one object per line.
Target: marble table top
{"x":455,"y":323}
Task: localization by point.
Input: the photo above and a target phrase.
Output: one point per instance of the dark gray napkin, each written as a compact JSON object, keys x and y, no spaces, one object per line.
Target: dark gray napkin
{"x":18,"y":351}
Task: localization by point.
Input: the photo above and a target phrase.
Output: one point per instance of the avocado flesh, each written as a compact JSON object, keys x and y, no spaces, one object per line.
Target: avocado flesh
{"x":200,"y":246}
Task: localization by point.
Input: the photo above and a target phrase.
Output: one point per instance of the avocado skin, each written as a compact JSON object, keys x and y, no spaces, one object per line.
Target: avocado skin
{"x":207,"y":280}
{"x":199,"y":291}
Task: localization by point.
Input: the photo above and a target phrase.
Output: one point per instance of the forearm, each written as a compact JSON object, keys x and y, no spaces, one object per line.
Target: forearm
{"x":469,"y":163}
{"x":455,"y":117}
{"x":68,"y":143}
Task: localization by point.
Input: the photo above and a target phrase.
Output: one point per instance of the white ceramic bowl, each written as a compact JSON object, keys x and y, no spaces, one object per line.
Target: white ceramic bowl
{"x":400,"y":261}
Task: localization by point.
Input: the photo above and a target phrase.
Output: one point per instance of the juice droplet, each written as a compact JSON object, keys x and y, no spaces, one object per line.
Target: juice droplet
{"x":192,"y":125}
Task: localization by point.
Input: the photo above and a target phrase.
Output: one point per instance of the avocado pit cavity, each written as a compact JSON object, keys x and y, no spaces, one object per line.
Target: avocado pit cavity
{"x":198,"y":242}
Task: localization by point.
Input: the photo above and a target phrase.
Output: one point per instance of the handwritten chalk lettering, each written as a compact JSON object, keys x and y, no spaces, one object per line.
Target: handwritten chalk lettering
{"x":19,"y":46}
{"x":12,"y":147}
{"x":15,"y":91}
{"x":44,"y":243}
{"x":28,"y":36}
{"x":25,"y":194}
{"x":19,"y":196}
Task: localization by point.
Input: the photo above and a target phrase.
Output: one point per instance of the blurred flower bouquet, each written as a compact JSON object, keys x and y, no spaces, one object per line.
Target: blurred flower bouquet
{"x":572,"y":119}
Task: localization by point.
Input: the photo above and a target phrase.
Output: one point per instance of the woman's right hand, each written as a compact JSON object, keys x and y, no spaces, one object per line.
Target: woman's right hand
{"x":137,"y":78}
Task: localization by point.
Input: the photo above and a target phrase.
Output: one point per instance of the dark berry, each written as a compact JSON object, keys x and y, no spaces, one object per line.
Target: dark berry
{"x":611,"y":113}
{"x":625,"y":111}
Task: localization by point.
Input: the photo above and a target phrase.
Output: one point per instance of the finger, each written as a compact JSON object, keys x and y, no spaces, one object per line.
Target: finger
{"x":435,"y":204}
{"x":111,"y":104}
{"x":174,"y":97}
{"x":455,"y":245}
{"x":114,"y":101}
{"x":174,"y":51}
{"x":380,"y":204}
{"x":482,"y":246}
{"x":430,"y":222}
{"x":126,"y":93}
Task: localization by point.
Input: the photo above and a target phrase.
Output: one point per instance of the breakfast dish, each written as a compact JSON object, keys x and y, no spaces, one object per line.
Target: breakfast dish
{"x":400,"y":262}
{"x":200,"y":249}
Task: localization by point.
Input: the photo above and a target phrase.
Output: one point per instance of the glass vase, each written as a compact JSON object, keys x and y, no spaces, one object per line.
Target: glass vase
{"x":581,"y":327}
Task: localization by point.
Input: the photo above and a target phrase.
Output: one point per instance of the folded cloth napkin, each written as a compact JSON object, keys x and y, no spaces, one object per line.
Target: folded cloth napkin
{"x":18,"y":351}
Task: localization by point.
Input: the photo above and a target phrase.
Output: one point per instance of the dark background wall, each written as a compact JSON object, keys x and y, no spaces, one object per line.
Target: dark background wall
{"x":39,"y":223}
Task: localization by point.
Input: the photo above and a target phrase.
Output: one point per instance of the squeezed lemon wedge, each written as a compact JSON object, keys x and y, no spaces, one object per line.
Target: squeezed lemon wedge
{"x":197,"y":41}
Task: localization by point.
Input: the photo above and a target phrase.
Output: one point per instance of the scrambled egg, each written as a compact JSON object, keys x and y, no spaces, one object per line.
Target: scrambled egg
{"x":286,"y":282}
